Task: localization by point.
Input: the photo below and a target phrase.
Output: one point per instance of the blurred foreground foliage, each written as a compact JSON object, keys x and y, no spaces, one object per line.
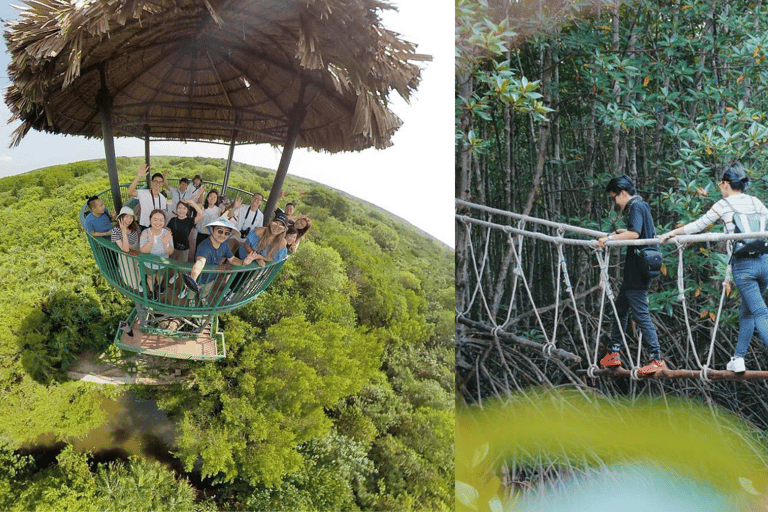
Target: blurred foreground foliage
{"x":572,"y":433}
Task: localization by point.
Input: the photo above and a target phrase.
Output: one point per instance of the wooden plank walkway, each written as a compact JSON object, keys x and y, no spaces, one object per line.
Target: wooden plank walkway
{"x":686,"y":374}
{"x":202,"y":347}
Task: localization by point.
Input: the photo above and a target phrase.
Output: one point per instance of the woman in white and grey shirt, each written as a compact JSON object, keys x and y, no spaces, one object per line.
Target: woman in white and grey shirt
{"x":750,"y":271}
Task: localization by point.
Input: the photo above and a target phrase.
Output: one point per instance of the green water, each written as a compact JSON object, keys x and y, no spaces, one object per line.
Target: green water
{"x":134,"y":426}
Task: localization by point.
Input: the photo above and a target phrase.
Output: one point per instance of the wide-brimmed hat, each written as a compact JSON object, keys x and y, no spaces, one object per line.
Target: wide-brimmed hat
{"x":221,"y":221}
{"x":125,"y":210}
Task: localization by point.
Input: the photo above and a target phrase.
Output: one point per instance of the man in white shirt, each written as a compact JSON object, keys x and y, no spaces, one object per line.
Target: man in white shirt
{"x":247,"y":217}
{"x":150,"y":199}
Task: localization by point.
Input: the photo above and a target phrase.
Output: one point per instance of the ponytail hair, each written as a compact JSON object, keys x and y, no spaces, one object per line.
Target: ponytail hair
{"x":736,"y":176}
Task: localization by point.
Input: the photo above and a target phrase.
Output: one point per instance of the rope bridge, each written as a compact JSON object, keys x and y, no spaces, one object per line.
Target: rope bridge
{"x":479,"y":300}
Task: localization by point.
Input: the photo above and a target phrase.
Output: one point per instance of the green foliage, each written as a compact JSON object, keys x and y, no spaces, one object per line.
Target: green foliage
{"x":66,"y":486}
{"x":67,"y":323}
{"x":142,"y":485}
{"x":247,"y":406}
{"x":392,"y":492}
{"x":14,"y":468}
{"x":325,"y":295}
{"x":479,"y":39}
{"x":294,"y":413}
{"x":332,"y":466}
{"x":561,"y":428}
{"x":353,"y":423}
{"x":330,"y":200}
{"x":386,"y":237}
{"x":70,"y":485}
{"x":32,"y":410}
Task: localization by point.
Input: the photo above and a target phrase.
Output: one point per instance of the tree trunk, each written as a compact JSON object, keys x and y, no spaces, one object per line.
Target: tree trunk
{"x":464,"y":161}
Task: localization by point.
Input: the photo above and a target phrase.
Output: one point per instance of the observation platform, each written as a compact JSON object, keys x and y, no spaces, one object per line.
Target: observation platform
{"x":207,"y":345}
{"x":165,"y":324}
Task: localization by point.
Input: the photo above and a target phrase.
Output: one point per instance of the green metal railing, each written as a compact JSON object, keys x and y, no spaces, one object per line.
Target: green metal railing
{"x":233,"y":287}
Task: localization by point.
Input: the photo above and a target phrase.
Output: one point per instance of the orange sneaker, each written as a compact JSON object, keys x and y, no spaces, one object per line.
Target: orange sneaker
{"x":654,"y":366}
{"x":611,"y":359}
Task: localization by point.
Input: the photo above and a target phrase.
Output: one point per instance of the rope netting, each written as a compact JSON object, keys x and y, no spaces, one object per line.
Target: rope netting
{"x":481,"y":309}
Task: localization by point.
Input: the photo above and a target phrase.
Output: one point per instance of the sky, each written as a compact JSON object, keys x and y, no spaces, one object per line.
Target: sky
{"x":413,"y":179}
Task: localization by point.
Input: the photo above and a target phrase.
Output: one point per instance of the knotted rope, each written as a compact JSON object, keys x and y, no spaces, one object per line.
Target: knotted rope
{"x":515,"y":237}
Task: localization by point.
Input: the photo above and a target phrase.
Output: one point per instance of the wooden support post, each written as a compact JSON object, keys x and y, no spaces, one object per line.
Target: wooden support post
{"x":297,"y":116}
{"x":104,"y":101}
{"x":229,"y":163}
{"x":147,"y":130}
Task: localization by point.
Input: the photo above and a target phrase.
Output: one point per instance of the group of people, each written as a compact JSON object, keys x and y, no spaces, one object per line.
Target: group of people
{"x":223,"y":230}
{"x":750,"y":267}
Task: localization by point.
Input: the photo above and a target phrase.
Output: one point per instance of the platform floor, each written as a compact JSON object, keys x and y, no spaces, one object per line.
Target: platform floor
{"x":204,"y":345}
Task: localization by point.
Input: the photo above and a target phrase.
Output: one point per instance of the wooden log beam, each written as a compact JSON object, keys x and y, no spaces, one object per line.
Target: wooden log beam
{"x":684,"y":374}
{"x":555,"y":352}
{"x":547,"y":309}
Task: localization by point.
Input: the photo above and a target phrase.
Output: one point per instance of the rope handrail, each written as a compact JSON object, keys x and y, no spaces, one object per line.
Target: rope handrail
{"x":706,"y":237}
{"x":705,"y":372}
{"x":526,"y":218}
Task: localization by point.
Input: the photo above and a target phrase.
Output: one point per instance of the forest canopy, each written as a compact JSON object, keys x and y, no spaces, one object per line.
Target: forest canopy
{"x":338,"y":380}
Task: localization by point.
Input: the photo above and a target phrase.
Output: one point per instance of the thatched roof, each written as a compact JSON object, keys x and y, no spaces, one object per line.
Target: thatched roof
{"x":199,"y":69}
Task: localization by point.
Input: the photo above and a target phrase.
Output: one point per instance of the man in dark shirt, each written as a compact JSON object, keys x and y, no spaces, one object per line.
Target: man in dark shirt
{"x":212,"y":252}
{"x":98,"y":222}
{"x":633,"y":293}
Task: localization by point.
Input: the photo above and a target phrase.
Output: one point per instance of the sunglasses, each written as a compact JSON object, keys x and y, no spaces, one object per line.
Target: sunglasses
{"x":222,"y":231}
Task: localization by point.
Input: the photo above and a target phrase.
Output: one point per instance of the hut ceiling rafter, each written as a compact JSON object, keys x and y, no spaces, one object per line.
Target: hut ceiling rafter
{"x":202,"y":69}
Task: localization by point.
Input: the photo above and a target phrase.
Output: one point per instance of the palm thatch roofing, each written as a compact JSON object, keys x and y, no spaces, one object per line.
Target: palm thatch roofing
{"x":210,"y":69}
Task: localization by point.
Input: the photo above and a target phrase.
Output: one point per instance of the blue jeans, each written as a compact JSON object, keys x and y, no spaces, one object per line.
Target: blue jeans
{"x":751,"y":278}
{"x":637,"y":302}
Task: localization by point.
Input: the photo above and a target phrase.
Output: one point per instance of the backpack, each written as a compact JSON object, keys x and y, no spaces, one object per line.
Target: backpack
{"x":749,"y":223}
{"x":649,"y":257}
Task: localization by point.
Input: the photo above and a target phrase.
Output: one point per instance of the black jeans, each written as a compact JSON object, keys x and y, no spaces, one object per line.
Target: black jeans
{"x":637,"y":302}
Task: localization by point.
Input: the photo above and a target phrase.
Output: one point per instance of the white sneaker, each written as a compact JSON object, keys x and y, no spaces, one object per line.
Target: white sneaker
{"x":736,"y":365}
